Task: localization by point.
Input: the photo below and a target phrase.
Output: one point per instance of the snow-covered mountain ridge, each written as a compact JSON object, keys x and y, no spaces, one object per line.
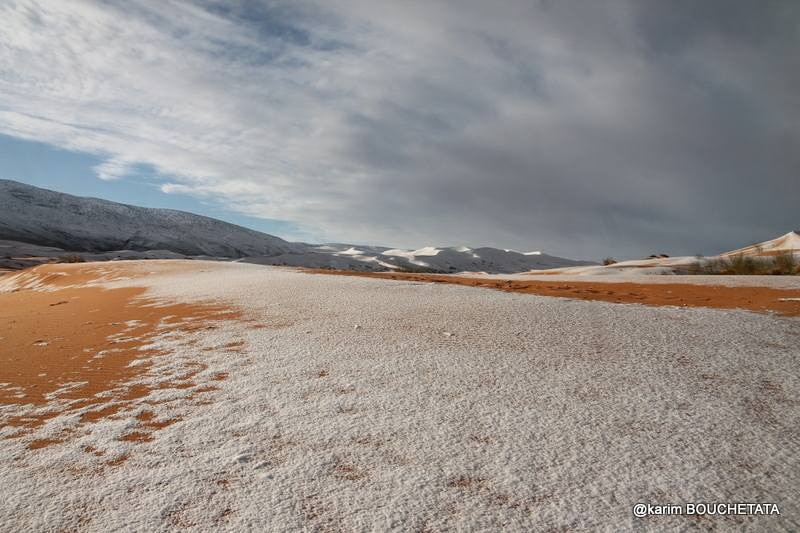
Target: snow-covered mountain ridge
{"x":37,"y":222}
{"x":47,"y":218}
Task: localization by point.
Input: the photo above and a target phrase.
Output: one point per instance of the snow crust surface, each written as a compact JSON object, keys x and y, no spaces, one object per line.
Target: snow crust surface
{"x":777,"y":282}
{"x":373,"y":405}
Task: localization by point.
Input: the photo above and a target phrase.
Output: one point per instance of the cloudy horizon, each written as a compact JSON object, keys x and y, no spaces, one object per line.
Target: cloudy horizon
{"x":580,"y":128}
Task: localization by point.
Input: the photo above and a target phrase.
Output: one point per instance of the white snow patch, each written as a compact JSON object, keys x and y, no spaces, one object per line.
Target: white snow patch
{"x":536,"y":402}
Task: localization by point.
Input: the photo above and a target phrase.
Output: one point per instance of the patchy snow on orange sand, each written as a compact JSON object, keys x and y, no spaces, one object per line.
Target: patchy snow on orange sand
{"x":713,"y":293}
{"x":208,"y":396}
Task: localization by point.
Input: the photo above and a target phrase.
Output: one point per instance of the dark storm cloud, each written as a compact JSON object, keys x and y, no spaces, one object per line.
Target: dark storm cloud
{"x":584,"y":128}
{"x":698,"y":150}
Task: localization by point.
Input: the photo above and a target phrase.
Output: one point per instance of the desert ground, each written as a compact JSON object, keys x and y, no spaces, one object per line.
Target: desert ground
{"x":194,"y":395}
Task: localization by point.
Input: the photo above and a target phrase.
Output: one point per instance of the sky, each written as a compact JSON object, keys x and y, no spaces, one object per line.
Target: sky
{"x":582,"y":128}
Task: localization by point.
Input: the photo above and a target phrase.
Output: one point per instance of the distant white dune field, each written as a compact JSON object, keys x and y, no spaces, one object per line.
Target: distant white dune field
{"x":447,"y":260}
{"x":788,"y":243}
{"x":376,"y":405}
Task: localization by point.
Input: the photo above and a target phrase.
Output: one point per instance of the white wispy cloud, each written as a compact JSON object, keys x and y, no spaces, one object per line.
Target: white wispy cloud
{"x":521,"y":124}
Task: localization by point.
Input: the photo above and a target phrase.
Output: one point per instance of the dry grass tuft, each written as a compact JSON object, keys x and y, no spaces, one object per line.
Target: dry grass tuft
{"x":73,"y":258}
{"x":782,"y":264}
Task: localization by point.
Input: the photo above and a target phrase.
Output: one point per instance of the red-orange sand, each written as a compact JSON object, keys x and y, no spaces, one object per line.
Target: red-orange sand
{"x":758,"y":299}
{"x":87,"y":336}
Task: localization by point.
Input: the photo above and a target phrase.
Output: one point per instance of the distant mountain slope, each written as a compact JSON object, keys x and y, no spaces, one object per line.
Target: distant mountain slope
{"x":38,"y":225}
{"x":46,"y":218}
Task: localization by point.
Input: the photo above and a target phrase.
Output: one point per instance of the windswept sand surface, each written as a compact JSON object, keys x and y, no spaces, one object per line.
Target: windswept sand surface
{"x":76,"y":348}
{"x":270,"y":400}
{"x":772,"y":294}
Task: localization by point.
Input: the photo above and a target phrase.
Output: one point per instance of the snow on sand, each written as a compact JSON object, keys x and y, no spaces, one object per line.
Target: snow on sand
{"x":362,"y":404}
{"x":764,"y":294}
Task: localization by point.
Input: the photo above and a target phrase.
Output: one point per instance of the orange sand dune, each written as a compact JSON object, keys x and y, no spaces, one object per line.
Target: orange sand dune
{"x":70,"y":346}
{"x":759,"y":299}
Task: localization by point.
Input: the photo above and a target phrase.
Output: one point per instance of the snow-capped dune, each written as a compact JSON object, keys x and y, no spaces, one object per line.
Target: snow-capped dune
{"x":785,"y":243}
{"x":789,"y":243}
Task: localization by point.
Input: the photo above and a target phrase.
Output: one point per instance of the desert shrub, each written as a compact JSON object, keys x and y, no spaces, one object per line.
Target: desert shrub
{"x":609,"y":261}
{"x":411,"y":268}
{"x":743,"y":265}
{"x":698,"y":267}
{"x":785,"y":263}
{"x":716,"y":265}
{"x":74,"y":258}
